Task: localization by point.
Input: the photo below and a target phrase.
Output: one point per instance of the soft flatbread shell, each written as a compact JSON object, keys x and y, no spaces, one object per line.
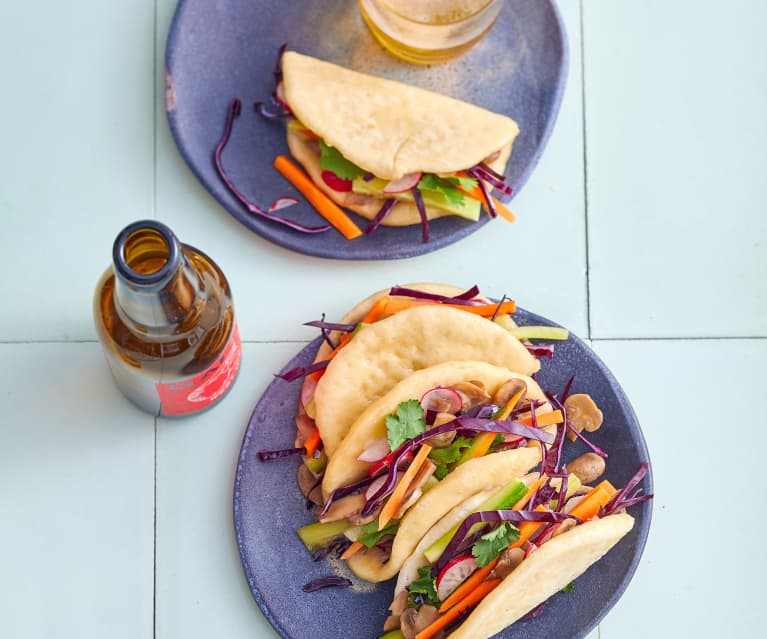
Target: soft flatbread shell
{"x":343,"y":467}
{"x":478,"y":475}
{"x":544,"y":573}
{"x":307,"y":152}
{"x":389,"y":128}
{"x":383,"y":354}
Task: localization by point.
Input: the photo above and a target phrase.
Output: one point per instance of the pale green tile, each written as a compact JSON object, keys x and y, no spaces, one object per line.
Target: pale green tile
{"x":76,"y":497}
{"x":676,"y":138}
{"x":201,"y":586}
{"x":703,"y":568}
{"x":540,"y":260}
{"x":77,"y":162}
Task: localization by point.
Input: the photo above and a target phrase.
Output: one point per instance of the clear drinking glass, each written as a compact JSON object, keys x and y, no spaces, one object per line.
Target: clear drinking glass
{"x":429,"y":31}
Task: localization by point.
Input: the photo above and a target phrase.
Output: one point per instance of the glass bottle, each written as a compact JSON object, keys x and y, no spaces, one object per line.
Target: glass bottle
{"x":165,"y":319}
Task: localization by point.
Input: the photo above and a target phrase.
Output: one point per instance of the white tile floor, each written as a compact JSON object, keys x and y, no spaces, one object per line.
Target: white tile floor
{"x":670,"y":200}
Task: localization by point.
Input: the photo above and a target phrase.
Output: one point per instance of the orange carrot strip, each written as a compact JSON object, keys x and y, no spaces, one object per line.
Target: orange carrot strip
{"x":589,"y":506}
{"x":529,"y":494}
{"x":321,"y":202}
{"x":312,"y":442}
{"x":395,"y":305}
{"x":476,"y":578}
{"x":394,"y":502}
{"x":472,"y":599}
{"x":376,"y":311}
{"x":482,"y":443}
{"x":511,"y":404}
{"x":527,"y":528}
{"x":545,"y":419}
{"x":352,"y":550}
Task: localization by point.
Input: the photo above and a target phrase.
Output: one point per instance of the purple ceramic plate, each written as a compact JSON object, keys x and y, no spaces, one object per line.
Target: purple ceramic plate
{"x":220,"y":50}
{"x":268,"y":508}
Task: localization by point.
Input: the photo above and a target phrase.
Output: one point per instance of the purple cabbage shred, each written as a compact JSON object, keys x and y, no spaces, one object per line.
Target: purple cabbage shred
{"x":388,"y":205}
{"x":422,"y":212}
{"x":302,"y":371}
{"x":268,"y":455}
{"x":464,"y":298}
{"x":327,"y":582}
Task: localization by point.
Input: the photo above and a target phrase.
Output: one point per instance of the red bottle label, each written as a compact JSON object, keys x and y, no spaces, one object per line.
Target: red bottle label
{"x":196,"y":393}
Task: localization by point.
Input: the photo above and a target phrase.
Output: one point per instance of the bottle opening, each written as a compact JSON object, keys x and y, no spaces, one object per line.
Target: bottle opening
{"x":145,"y":252}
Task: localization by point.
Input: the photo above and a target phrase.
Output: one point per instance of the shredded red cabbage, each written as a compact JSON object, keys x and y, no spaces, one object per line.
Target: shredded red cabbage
{"x":331,"y":326}
{"x":235,"y":108}
{"x":464,"y":299}
{"x":268,"y":455}
{"x":382,"y":213}
{"x":422,"y":212}
{"x":494,"y":516}
{"x":302,"y":371}
{"x":624,"y":497}
{"x":484,"y":172}
{"x":491,"y":211}
{"x":554,"y":455}
{"x":327,"y":582}
{"x":580,"y":436}
{"x":482,"y":411}
{"x":488,"y":169}
{"x":348,"y":490}
{"x":534,"y":612}
{"x":460,"y":424}
{"x":282,"y":203}
{"x":283,"y":113}
{"x":337,"y":548}
{"x":568,"y":386}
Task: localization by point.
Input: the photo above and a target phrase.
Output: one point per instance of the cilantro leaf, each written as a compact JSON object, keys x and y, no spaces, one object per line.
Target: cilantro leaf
{"x":405,"y":424}
{"x":370,"y":534}
{"x":424,"y":585}
{"x":447,"y":187}
{"x":443,"y":457}
{"x":569,"y":587}
{"x":332,"y":160}
{"x":492,"y":544}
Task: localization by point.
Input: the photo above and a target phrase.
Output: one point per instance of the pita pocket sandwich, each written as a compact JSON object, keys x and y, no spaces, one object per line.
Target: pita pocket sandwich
{"x":393,"y":153}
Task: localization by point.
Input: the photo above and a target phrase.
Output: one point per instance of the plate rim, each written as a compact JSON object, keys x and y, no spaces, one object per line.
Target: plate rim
{"x":216,"y":190}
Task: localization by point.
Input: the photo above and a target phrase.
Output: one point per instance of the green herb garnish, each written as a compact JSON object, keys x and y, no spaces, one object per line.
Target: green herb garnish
{"x":424,"y":585}
{"x":448,"y":187}
{"x":492,"y":544}
{"x":405,"y":424}
{"x":370,"y":534}
{"x":443,"y":457}
{"x":569,"y":587}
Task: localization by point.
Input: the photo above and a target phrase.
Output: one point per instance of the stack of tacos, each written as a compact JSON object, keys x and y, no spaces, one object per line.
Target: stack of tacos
{"x":434,"y":456}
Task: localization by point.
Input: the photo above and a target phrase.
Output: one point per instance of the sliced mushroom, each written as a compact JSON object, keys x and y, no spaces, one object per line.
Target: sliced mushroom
{"x":443,"y":440}
{"x":309,"y":484}
{"x":583,"y":413}
{"x":587,"y":467}
{"x":414,"y":621}
{"x":566,"y":525}
{"x":507,"y":390}
{"x":508,"y":561}
{"x":344,"y":508}
{"x":471,"y":395}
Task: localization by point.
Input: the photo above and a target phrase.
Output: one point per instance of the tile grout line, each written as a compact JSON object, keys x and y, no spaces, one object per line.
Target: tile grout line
{"x":155,"y":80}
{"x":585,"y":175}
{"x":154,"y":540}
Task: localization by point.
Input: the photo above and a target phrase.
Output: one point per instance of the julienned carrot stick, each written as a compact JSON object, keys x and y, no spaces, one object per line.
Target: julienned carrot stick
{"x":468,"y":586}
{"x":589,"y":506}
{"x":527,"y":528}
{"x":472,"y":599}
{"x":321,"y":202}
{"x":352,"y":550}
{"x":512,"y":403}
{"x":395,"y":305}
{"x":394,"y":502}
{"x":544,"y":419}
{"x":312,"y":442}
{"x":530,"y":492}
{"x":376,"y":311}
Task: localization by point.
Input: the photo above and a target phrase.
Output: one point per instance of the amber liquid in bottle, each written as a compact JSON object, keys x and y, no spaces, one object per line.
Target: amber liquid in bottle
{"x":165,"y":318}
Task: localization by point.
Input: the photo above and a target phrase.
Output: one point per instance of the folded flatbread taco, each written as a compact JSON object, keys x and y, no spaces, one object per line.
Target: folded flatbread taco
{"x":382,"y":354}
{"x":366,"y":140}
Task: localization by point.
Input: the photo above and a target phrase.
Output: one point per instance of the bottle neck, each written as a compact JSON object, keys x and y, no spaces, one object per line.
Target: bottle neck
{"x":155,"y":285}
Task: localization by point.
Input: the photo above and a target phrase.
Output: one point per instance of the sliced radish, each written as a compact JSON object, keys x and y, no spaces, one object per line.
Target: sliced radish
{"x":530,"y":550}
{"x":375,"y":451}
{"x":405,"y":183}
{"x":441,"y":400}
{"x":336,"y":183}
{"x":454,"y":574}
{"x":307,"y":390}
{"x":547,"y":534}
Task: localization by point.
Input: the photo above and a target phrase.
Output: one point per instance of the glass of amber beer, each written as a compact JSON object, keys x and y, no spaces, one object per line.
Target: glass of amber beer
{"x":429,"y":31}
